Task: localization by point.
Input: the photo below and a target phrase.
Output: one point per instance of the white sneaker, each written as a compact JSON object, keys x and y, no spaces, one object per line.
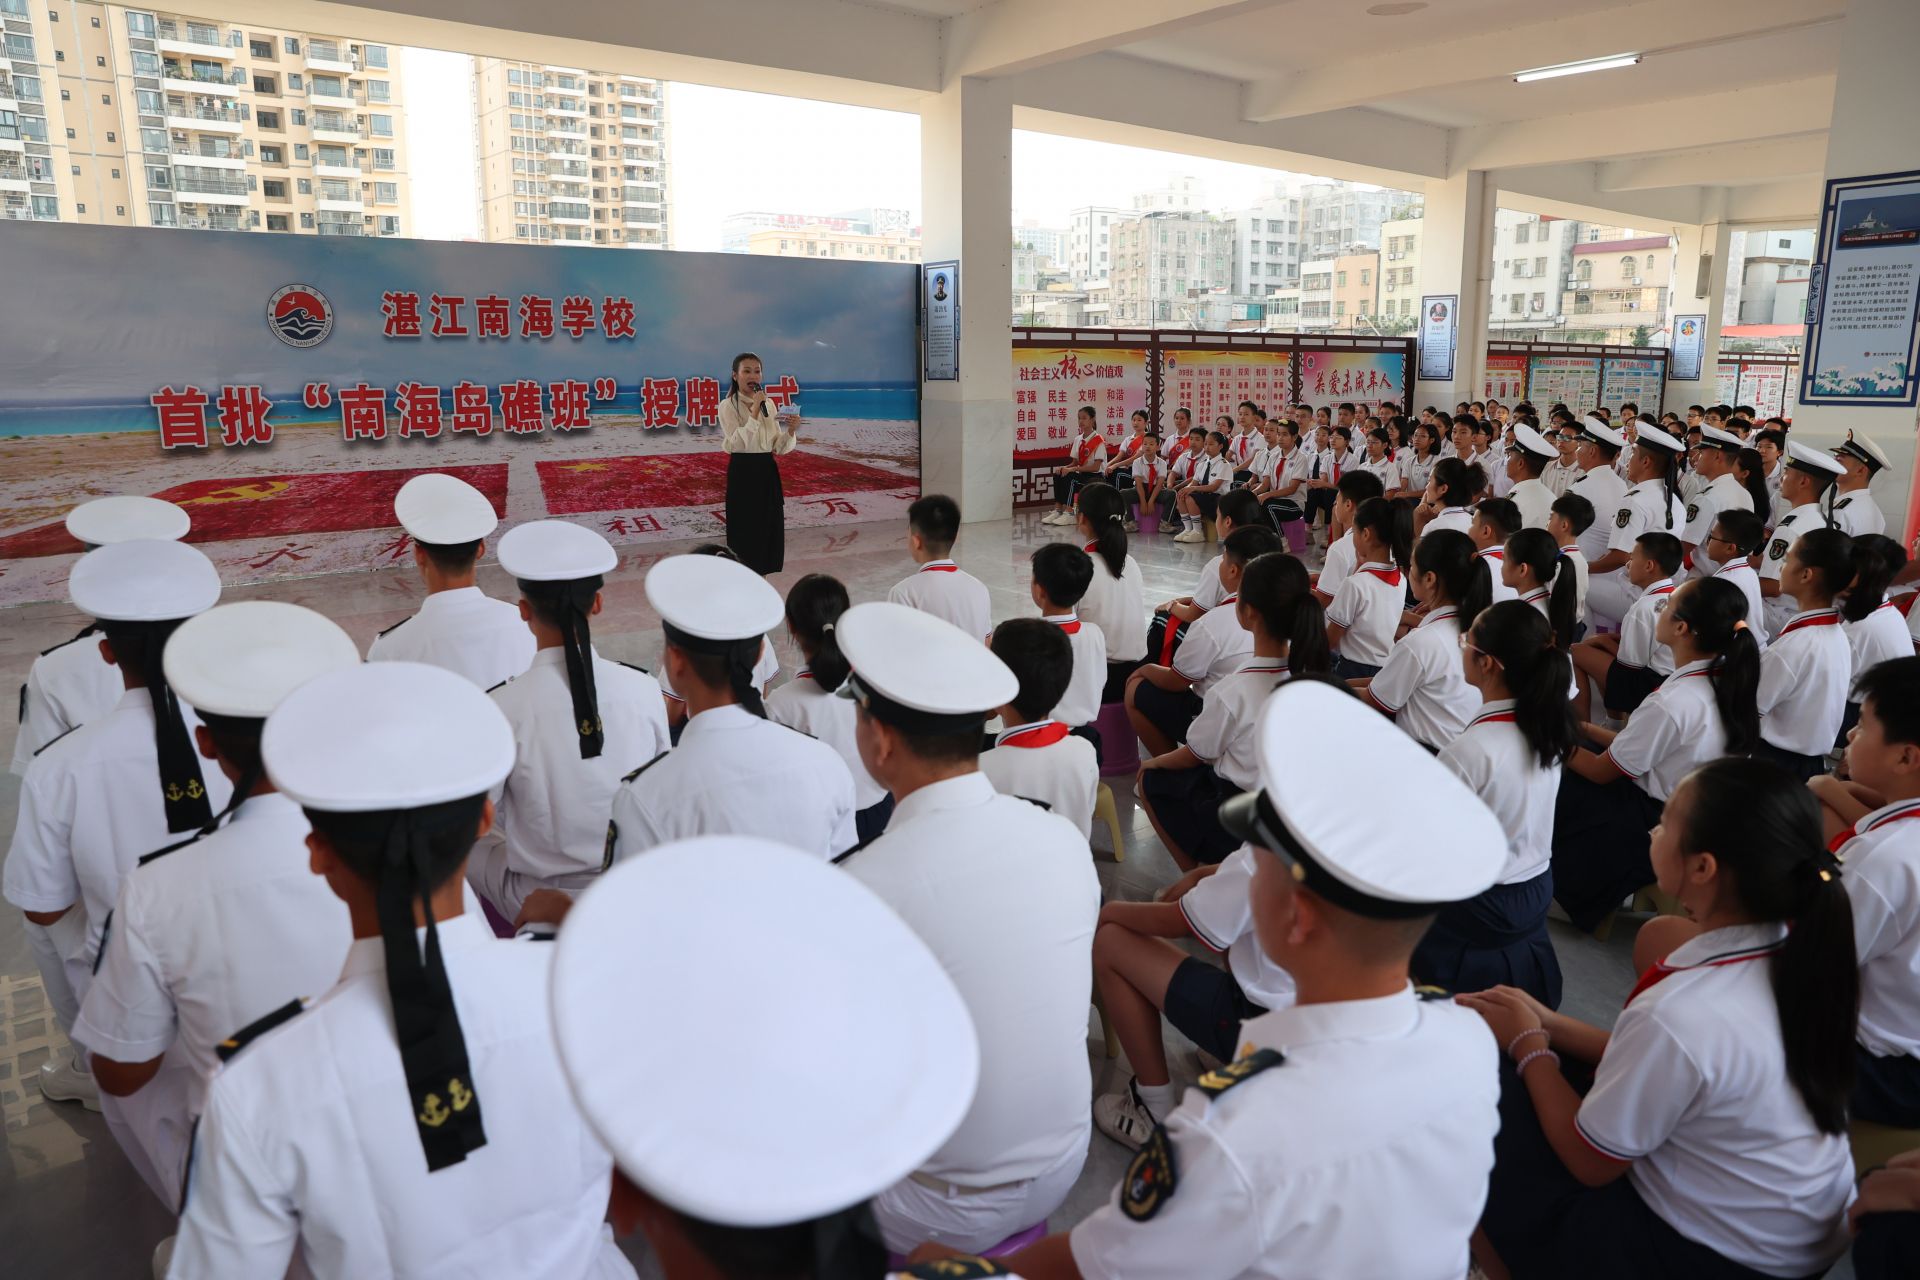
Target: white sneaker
{"x":1189,"y":535}
{"x":1132,"y":526}
{"x":1123,"y":1117}
{"x":62,"y":1080}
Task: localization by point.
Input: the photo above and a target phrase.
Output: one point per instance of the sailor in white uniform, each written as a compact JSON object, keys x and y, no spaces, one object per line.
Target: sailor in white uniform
{"x":71,"y":684}
{"x":1722,"y":491}
{"x":817,"y":965}
{"x":408,"y":1122}
{"x":1006,"y":896}
{"x":223,"y":928}
{"x":734,"y":771}
{"x":580,"y":723}
{"x":1361,"y":1090}
{"x":1806,"y":476}
{"x":1854,"y":510}
{"x":1652,"y":505}
{"x":1599,"y":484}
{"x":457,"y":626}
{"x":97,"y":798}
{"x":1527,"y":458}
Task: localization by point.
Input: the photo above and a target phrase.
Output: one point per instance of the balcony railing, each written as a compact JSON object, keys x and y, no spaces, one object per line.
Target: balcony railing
{"x":340,"y":229}
{"x":6,"y":87}
{"x":231,"y":115}
{"x":188,"y":182}
{"x":192,"y":33}
{"x":193,"y":223}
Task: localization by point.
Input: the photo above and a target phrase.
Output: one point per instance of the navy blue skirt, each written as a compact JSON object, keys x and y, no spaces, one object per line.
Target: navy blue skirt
{"x":1600,"y":841}
{"x":1497,"y":939}
{"x":1886,"y":1090}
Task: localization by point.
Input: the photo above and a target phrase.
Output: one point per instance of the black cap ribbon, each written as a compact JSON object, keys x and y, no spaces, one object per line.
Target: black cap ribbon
{"x":182,"y":788}
{"x":571,"y":603}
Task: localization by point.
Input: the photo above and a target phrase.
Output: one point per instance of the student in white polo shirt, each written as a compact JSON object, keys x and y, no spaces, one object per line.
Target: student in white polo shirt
{"x":734,"y":771}
{"x":1713,"y":461}
{"x":1629,"y":664}
{"x":1806,"y":483}
{"x":1876,"y":632}
{"x":1061,"y":575}
{"x":1806,"y":671}
{"x":71,"y":684}
{"x":1036,"y":756}
{"x":1115,"y":600}
{"x":1713,"y":1141}
{"x":1448,"y":502}
{"x":1652,"y":504}
{"x":1006,"y":897}
{"x":457,"y":626}
{"x":1736,"y":537}
{"x":1494,"y":521}
{"x":1354,"y":488}
{"x":1361,"y":1091}
{"x":940,"y":586}
{"x":220,"y":929}
{"x":580,"y":723}
{"x":1854,"y":509}
{"x":1366,"y":611}
{"x":1510,"y":754}
{"x":1182,"y":790}
{"x":1420,"y":686}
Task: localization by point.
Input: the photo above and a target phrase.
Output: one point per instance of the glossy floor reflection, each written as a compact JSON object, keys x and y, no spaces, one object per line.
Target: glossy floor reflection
{"x":69,"y":1203}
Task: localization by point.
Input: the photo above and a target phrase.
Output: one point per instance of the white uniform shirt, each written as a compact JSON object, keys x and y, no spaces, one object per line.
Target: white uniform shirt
{"x":1080,"y":704}
{"x":1045,"y":762}
{"x":1219,"y":911}
{"x":1289,"y":468}
{"x":1222,"y":735}
{"x":1118,"y":606}
{"x":1883,"y":881}
{"x":68,"y":685}
{"x":1242,"y":448}
{"x":1460,"y":518}
{"x":1638,"y":648}
{"x":90,"y":806}
{"x":1422,"y":684}
{"x":1693,"y":1090}
{"x":1385,"y":1101}
{"x":1369,"y":604}
{"x":1492,"y":756}
{"x":1215,"y":646}
{"x":465,"y":631}
{"x":1498,"y":481}
{"x":1704,"y":507}
{"x":1495,"y":559}
{"x":1208,"y":592}
{"x":1691,"y":484}
{"x":1559,"y":476}
{"x":1675,"y":730}
{"x":1339,"y":564}
{"x":1419,"y":472}
{"x":945,"y":590}
{"x":1207,"y":469}
{"x":736,"y":774}
{"x":1385,"y":468}
{"x":1535,"y":501}
{"x":1604,"y":488}
{"x":309,"y":1140}
{"x":1796,"y":522}
{"x":1742,"y":575}
{"x":802,"y":704}
{"x":766,"y":668}
{"x":1004,"y":895}
{"x":1643,"y":509}
{"x":1804,"y":678}
{"x":1857,"y":513}
{"x":1879,"y":637}
{"x":550,"y":813}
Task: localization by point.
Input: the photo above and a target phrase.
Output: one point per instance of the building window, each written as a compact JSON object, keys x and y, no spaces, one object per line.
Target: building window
{"x":383,"y":158}
{"x":110,"y":137}
{"x":266,"y":84}
{"x":379,"y":91}
{"x":81,"y":208}
{"x":1628,"y":265}
{"x":277,"y":222}
{"x":261,"y":49}
{"x":1340,"y":279}
{"x":116,"y":173}
{"x":270,"y":154}
{"x":386,"y":193}
{"x":295,"y":82}
{"x":305,"y":186}
{"x":1366,"y":276}
{"x":299,"y":117}
{"x":300,"y":151}
{"x":140,"y":25}
{"x":375,"y":55}
{"x":306,"y":221}
{"x":274,"y":188}
{"x":293,"y":44}
{"x":382,"y":126}
{"x":268,"y":119}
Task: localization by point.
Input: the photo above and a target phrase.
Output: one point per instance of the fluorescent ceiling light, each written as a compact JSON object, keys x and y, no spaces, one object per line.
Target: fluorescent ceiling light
{"x":1578,"y":68}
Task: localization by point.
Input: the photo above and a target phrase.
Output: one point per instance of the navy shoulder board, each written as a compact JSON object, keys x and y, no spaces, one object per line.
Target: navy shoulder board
{"x":82,"y":634}
{"x":643,"y":768}
{"x":395,"y":627}
{"x":145,"y":858}
{"x":1433,"y":993}
{"x":842,"y":857}
{"x":634,"y":666}
{"x":1240,"y":1070}
{"x":1042,"y":803}
{"x":503,"y":684}
{"x":254,"y":1030}
{"x":50,"y":741}
{"x":955,"y":1269}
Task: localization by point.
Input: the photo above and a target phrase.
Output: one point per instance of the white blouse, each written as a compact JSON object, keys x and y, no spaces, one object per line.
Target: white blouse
{"x":745,"y":432}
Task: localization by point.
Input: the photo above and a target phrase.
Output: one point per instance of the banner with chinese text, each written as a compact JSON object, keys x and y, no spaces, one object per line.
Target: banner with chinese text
{"x":1211,"y":384}
{"x":1570,"y":380}
{"x":1864,"y":294}
{"x":1641,"y":382}
{"x":1363,"y":377}
{"x":1506,"y":379}
{"x":281,"y":388}
{"x":1051,"y":383}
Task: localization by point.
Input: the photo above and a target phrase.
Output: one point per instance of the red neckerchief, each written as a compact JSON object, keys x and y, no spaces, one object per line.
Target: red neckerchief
{"x":1389,"y":576}
{"x":1912,"y":810}
{"x":1153,"y":472}
{"x":940,"y":566}
{"x":1241,"y":444}
{"x":1659,"y":971}
{"x":1661,"y":590}
{"x":1044,"y":734}
{"x":1071,"y":626}
{"x":1817,"y":618}
{"x":1229,"y":600}
{"x":1091,"y":547}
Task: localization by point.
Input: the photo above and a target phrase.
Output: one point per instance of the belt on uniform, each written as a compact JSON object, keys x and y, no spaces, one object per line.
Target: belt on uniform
{"x":944,"y":1187}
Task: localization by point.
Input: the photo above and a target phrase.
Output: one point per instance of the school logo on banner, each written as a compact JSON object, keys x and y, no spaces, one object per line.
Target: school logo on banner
{"x":300,"y":315}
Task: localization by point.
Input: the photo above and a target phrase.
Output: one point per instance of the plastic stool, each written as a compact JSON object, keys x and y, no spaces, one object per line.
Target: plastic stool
{"x":1119,"y":749}
{"x":1875,"y":1144}
{"x":1105,"y":810}
{"x":1017,"y":1241}
{"x":1295,"y":532}
{"x":1149,"y":522}
{"x":1213,"y":534}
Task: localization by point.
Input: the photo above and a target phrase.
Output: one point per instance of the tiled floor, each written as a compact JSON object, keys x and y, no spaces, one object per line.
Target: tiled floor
{"x":69,"y":1203}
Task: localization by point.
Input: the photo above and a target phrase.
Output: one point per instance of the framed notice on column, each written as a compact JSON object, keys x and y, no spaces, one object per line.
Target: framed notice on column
{"x":1864,"y":293}
{"x":1689,"y":348}
{"x":1439,"y":330}
{"x":941,"y":303}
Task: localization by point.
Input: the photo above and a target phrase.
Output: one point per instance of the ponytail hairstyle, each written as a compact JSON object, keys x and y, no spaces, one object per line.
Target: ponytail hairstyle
{"x":1536,"y":549}
{"x":1276,"y":586}
{"x":1744,"y":529}
{"x":1750,"y":469}
{"x":1537,"y":671}
{"x":1716,"y":612}
{"x":1764,"y":831}
{"x":1464,"y":577}
{"x":1392,"y":523}
{"x":1830,"y":553}
{"x":814,"y":606}
{"x":1460,"y":483}
{"x":1876,"y":559}
{"x":1105,"y":512}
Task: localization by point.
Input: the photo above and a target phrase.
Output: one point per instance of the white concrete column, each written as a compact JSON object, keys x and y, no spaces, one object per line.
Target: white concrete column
{"x":1456,"y":256}
{"x":1715,"y":238}
{"x":966,"y":185}
{"x":1875,"y":104}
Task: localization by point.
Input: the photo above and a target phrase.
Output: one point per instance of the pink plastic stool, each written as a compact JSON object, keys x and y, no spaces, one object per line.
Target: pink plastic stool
{"x":1149,"y":522}
{"x":1012,"y":1244}
{"x":1295,"y":532}
{"x":1119,"y":749}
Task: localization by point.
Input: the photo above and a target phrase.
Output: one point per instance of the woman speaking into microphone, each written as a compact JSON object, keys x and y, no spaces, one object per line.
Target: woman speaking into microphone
{"x":752,"y":435}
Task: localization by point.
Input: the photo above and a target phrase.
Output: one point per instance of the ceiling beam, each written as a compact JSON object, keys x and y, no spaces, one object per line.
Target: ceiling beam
{"x":1329,"y":86}
{"x":1569,"y":191}
{"x":1011,"y":36}
{"x":1747,"y":165}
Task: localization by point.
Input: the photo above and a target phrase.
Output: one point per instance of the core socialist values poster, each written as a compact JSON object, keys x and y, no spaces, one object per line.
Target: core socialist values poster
{"x":1050,"y":384}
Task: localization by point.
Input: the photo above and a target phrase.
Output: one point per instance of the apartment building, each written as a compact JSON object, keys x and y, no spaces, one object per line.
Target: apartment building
{"x":140,"y":117}
{"x":1619,"y":286}
{"x":568,"y":155}
{"x":821,"y":240}
{"x":1163,"y":262}
{"x":1532,"y":263}
{"x":1266,"y":245}
{"x":1400,"y":240}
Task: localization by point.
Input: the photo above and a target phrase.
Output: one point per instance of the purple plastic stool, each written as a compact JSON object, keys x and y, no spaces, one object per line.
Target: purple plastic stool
{"x":1012,"y":1244}
{"x":1119,"y":749}
{"x":1149,"y":522}
{"x":1295,"y":532}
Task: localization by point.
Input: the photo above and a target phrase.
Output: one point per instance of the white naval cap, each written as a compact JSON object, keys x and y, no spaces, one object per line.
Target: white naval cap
{"x":105,"y":521}
{"x":1437,"y":843}
{"x":144,"y":580}
{"x":386,"y":735}
{"x":243,"y":659}
{"x":1649,"y":434}
{"x":1595,"y":428}
{"x":1812,"y":460}
{"x":919,"y":672}
{"x":1863,"y":449}
{"x":1531,"y":441}
{"x":1718,"y":438}
{"x":443,"y":510}
{"x":713,"y":598}
{"x":555,"y":551}
{"x":870,"y":1032}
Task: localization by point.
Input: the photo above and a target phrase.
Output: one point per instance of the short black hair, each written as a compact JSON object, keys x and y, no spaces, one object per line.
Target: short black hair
{"x":1663,"y":549}
{"x":1246,"y":543}
{"x":1064,"y":572}
{"x":1041,"y":658}
{"x":451,"y":557}
{"x":1743,"y":528}
{"x":936,"y":518}
{"x":1503,"y":514}
{"x":1357,"y":486}
{"x":1240,"y":506}
{"x":1576,"y":510}
{"x":1893,"y":687}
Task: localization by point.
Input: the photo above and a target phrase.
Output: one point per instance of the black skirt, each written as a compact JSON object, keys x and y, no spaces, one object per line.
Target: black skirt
{"x":756,"y":512}
{"x":1496,"y":939}
{"x":1600,"y":842}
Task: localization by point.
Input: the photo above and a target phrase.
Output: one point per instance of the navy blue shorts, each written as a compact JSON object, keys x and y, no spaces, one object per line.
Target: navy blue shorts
{"x":1629,"y":686}
{"x":1206,"y":1005}
{"x":1171,"y":713}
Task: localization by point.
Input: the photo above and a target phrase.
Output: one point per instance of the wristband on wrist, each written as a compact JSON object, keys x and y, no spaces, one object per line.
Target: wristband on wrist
{"x":1520,"y":1068}
{"x":1530,"y":1031}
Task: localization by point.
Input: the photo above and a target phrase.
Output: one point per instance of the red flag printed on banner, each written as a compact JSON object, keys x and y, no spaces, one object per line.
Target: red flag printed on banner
{"x":692,"y":480}
{"x":275,"y":505}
